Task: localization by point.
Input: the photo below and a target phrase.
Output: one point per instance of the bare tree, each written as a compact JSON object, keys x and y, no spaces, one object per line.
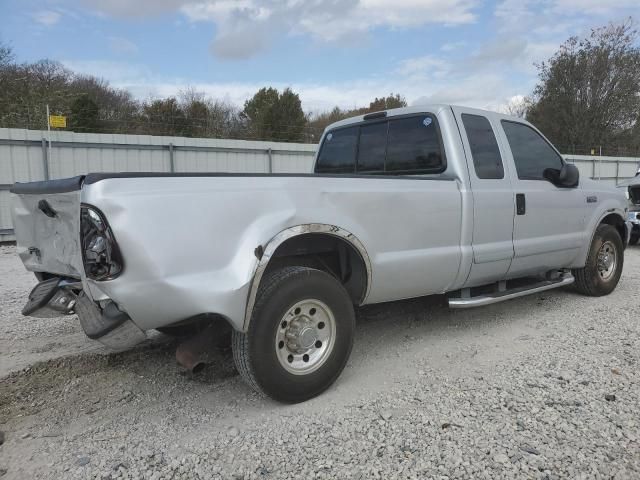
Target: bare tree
{"x":6,"y":54}
{"x":518,"y":106}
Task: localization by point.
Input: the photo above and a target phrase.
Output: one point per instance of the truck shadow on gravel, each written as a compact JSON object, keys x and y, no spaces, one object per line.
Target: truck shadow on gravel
{"x":149,"y":372}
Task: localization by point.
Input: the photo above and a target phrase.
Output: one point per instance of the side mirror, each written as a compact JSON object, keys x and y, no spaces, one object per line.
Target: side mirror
{"x":567,"y":177}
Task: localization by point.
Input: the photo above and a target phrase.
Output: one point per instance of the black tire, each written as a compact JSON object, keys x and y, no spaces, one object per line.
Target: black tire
{"x":589,"y":279}
{"x":633,"y":240}
{"x":254,"y":352}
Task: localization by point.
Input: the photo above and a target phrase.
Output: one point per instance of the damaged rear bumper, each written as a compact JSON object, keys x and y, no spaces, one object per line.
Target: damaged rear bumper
{"x":51,"y":298}
{"x":105,"y":323}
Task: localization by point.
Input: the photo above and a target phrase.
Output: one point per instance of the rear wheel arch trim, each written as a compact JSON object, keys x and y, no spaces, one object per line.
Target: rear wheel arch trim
{"x":291,"y":232}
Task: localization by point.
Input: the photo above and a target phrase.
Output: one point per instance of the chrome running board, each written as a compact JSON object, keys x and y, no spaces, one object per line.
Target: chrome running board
{"x":501,"y":296}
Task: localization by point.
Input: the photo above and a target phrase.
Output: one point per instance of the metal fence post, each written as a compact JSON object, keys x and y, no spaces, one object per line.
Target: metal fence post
{"x":172,"y":165}
{"x":270,"y":160}
{"x":45,"y":159}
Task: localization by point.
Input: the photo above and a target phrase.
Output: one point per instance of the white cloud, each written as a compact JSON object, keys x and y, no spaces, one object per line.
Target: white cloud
{"x":345,"y":18}
{"x":505,"y":49}
{"x":531,"y":31}
{"x":428,"y":66}
{"x":482,"y":90}
{"x":491,"y":74}
{"x":511,"y":53}
{"x":47,"y":17}
{"x":485,"y":90}
{"x":134,"y":8}
{"x":451,"y":46}
{"x":245,"y":27}
{"x":119,"y":73}
{"x":559,"y":17}
{"x":595,"y":7}
{"x":122,"y":45}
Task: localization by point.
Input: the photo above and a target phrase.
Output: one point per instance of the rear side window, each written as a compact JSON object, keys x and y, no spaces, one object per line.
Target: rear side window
{"x":484,"y":147}
{"x":400,"y":146}
{"x":338,"y":151}
{"x":532,"y":154}
{"x":414,"y":146}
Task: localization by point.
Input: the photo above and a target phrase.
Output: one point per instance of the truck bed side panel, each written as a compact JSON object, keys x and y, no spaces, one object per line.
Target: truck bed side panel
{"x":188,"y":242}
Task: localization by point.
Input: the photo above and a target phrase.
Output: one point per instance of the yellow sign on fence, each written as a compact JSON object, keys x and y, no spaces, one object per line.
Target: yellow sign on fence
{"x":57,"y":121}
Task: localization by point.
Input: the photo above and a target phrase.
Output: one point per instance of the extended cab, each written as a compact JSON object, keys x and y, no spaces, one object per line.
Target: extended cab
{"x":403,"y":203}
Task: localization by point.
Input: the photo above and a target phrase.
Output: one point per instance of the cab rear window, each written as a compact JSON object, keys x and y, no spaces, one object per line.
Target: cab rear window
{"x":338,"y":151}
{"x":409,"y":145}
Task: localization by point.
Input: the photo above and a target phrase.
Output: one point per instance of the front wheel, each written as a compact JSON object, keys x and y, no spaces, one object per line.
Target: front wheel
{"x":300,"y":335}
{"x":601,"y":273}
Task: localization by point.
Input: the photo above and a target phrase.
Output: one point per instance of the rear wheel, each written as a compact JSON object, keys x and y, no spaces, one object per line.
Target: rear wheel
{"x":633,"y":240}
{"x":601,"y":273}
{"x":300,"y":335}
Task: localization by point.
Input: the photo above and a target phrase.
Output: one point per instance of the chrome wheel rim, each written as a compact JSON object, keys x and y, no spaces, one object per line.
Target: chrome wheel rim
{"x":607,"y":260}
{"x":305,"y":336}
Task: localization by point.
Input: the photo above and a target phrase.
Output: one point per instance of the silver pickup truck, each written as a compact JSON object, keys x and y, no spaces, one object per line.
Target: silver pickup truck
{"x":402,"y":203}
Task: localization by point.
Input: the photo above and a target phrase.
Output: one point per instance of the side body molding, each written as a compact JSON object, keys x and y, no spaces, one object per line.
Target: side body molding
{"x":291,"y":232}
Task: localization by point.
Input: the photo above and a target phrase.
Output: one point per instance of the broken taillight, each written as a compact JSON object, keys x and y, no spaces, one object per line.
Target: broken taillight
{"x":100,"y":253}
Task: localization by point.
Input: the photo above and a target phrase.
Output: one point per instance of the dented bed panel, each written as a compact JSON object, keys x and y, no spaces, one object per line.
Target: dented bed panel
{"x":188,"y":242}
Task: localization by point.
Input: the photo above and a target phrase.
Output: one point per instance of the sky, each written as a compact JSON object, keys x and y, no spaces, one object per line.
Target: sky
{"x":332,"y":52}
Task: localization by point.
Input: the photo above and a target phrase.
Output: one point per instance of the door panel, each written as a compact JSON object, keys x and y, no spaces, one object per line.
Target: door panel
{"x":493,"y":204}
{"x":549,"y":225}
{"x":551,"y":231}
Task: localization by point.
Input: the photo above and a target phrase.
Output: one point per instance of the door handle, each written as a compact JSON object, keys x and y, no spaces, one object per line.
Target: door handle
{"x":521,"y":204}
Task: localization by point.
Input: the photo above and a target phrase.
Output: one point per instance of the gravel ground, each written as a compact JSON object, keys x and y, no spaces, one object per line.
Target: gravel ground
{"x":541,"y":387}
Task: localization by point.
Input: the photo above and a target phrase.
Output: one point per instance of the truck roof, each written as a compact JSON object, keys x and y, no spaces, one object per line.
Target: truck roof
{"x":431,"y":107}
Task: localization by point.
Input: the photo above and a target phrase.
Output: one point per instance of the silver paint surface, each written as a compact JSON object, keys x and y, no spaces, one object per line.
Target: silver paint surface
{"x":188,"y":242}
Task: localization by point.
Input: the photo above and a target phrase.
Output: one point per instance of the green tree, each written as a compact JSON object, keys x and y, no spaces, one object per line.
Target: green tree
{"x":385,"y":103}
{"x":164,"y":117}
{"x":589,"y":91}
{"x":206,"y":117}
{"x":119,"y":111}
{"x":270,"y":115}
{"x":289,"y":118}
{"x":317,"y":123}
{"x":85,"y":115}
{"x":259,"y":113}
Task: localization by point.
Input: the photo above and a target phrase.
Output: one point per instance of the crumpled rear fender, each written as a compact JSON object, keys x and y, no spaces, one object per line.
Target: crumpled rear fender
{"x":289,"y":233}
